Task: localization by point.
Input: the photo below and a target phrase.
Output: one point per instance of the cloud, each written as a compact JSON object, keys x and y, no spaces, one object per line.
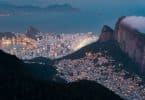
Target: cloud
{"x":135,"y":22}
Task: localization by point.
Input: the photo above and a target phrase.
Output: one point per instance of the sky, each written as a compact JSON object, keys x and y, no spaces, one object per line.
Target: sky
{"x":88,"y":4}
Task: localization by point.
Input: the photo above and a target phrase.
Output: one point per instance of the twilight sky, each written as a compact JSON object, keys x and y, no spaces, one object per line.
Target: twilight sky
{"x":86,"y":4}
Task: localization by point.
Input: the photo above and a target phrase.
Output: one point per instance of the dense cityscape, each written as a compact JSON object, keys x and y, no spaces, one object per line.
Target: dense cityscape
{"x":103,"y":69}
{"x":49,"y":45}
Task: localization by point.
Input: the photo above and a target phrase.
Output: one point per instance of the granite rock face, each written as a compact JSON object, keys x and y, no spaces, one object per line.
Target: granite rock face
{"x":106,"y":34}
{"x":131,"y":41}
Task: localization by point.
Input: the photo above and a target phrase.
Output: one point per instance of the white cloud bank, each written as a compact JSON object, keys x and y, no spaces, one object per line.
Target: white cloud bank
{"x":135,"y":22}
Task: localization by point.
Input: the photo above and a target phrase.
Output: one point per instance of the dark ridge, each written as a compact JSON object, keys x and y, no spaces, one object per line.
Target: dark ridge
{"x":16,"y":87}
{"x":9,"y":67}
{"x":117,"y":25}
{"x":106,"y":29}
{"x":81,"y":90}
{"x":106,"y":34}
{"x":39,"y":71}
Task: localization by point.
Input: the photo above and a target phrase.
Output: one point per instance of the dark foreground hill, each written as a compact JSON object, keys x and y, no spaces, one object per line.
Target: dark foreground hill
{"x":14,"y":86}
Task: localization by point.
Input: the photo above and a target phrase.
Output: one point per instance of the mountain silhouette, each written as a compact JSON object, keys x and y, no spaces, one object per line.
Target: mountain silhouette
{"x":15,"y":86}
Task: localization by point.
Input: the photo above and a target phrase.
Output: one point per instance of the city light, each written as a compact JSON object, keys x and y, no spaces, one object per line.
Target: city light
{"x":84,"y":42}
{"x":49,"y":46}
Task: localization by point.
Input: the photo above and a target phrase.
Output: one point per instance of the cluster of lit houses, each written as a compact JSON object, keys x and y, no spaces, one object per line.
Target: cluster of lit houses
{"x":18,"y":40}
{"x":49,"y":45}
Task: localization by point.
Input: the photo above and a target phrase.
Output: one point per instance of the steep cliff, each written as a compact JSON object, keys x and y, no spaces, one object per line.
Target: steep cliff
{"x":106,"y":34}
{"x":130,"y":40}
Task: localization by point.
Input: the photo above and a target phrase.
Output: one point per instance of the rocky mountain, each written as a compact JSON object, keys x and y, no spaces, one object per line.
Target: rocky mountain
{"x":106,"y":34}
{"x":15,"y":86}
{"x":31,"y":32}
{"x":130,"y":41}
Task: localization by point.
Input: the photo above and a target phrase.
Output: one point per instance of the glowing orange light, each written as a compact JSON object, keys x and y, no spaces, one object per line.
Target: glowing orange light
{"x":88,"y":54}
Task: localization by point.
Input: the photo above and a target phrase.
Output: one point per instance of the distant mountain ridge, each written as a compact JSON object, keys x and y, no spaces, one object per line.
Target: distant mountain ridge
{"x":27,"y":9}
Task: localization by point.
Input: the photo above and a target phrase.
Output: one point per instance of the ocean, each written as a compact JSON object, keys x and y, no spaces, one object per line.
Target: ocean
{"x":68,"y":22}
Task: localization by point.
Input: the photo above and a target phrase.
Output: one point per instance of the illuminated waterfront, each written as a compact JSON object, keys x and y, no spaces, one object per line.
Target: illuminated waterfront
{"x":49,"y":45}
